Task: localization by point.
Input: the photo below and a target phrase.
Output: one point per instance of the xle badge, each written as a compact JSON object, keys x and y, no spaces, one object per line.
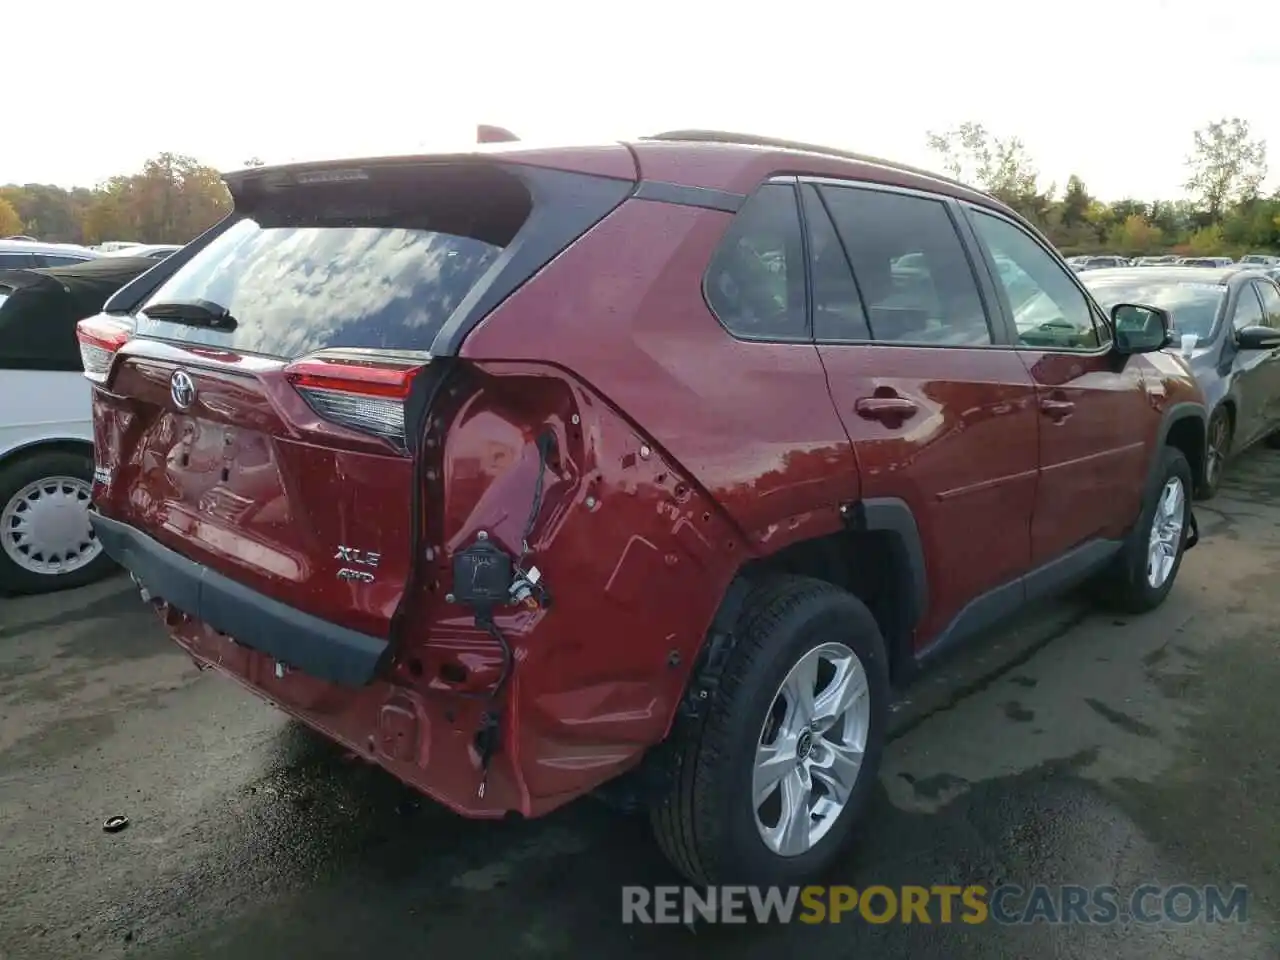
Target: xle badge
{"x":357,"y":557}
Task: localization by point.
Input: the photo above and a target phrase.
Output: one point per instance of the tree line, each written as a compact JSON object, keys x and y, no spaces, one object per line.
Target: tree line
{"x":173,"y":198}
{"x":1225,"y":213}
{"x":170,"y":200}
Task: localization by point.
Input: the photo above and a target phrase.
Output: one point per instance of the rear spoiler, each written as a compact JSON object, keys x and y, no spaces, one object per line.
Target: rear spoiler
{"x":488,"y":134}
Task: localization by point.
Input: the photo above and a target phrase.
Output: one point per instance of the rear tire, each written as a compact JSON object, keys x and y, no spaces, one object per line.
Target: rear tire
{"x":713,"y":815}
{"x":1129,"y":585}
{"x":55,"y":475}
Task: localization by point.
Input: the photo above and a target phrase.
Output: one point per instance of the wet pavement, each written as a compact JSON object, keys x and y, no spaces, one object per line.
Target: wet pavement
{"x":1074,"y":748}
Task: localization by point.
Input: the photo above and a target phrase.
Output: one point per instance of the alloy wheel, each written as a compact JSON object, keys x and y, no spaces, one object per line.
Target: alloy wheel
{"x":1165,"y":539}
{"x":810,"y":749}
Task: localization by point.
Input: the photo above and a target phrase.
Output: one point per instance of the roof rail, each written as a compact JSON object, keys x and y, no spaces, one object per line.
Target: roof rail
{"x":756,"y":140}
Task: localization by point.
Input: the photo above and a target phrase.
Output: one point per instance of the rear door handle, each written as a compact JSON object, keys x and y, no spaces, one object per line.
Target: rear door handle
{"x":885,"y":409}
{"x":1057,"y":409}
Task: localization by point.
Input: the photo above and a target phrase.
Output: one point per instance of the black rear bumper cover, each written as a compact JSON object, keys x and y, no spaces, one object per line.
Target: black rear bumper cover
{"x":316,"y":647}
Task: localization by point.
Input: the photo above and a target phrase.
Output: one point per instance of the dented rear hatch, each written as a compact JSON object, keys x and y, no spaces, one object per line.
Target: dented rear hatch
{"x":256,"y":417}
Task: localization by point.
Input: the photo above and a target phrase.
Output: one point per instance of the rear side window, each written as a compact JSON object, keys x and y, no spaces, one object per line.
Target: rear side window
{"x":755,"y":283}
{"x":16,"y":261}
{"x":838,"y":313}
{"x":916,"y":282}
{"x":376,"y":265}
{"x":49,"y":260}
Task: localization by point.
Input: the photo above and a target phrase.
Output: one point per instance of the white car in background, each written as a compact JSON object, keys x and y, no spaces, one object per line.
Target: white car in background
{"x":46,"y":422}
{"x":152,"y":251}
{"x":21,"y":254}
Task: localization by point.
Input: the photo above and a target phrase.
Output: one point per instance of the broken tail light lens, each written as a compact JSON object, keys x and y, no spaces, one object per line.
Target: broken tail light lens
{"x":100,"y":337}
{"x":364,"y":393}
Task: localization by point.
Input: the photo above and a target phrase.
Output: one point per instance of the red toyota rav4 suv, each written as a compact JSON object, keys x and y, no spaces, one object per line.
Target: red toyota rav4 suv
{"x":519,"y":470}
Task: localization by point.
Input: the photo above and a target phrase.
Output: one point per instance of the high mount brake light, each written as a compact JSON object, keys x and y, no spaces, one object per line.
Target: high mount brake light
{"x":100,"y":337}
{"x":364,"y":394}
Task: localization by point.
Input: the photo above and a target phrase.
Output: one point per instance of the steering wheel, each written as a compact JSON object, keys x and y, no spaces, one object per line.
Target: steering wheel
{"x":1053,"y":326}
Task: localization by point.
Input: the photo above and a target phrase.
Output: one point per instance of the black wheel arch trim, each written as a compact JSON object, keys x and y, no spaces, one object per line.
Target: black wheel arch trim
{"x":894,"y":516}
{"x":1175,"y":414}
{"x":40,"y":445}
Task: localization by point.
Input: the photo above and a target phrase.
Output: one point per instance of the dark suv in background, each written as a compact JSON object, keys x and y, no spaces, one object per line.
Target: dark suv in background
{"x":519,"y":470}
{"x":1226,"y":323}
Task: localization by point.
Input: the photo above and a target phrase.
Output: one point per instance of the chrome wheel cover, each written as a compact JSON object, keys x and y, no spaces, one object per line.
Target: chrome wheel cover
{"x":44,"y":528}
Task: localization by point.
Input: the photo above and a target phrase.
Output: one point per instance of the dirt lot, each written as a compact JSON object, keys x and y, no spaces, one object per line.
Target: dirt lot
{"x":1073,"y":748}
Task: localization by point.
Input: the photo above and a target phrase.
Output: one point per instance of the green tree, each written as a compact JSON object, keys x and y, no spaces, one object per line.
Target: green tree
{"x":1001,"y":166}
{"x":972,"y":154}
{"x":1227,"y":165}
{"x":171,"y":200}
{"x":49,"y":212}
{"x":1075,"y":202}
{"x":10,"y":222}
{"x":1134,"y":235}
{"x":1207,"y":241}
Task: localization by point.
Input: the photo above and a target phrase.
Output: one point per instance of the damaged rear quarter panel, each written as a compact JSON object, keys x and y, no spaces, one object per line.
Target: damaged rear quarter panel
{"x":746,"y":455}
{"x":633,"y":555}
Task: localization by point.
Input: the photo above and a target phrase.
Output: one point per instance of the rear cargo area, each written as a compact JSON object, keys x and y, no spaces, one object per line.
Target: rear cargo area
{"x":257,"y":416}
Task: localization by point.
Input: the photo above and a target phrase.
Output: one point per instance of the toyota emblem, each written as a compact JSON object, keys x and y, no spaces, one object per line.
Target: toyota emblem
{"x":183,"y":389}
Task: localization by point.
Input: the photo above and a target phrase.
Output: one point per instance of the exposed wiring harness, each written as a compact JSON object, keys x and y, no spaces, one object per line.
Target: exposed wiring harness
{"x":512,"y":585}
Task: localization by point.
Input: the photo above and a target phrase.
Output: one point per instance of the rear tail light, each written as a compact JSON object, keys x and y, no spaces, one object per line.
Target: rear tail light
{"x":100,"y":337}
{"x":364,"y":393}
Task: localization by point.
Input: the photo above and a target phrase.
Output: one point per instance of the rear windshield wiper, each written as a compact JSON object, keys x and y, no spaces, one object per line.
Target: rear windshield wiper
{"x":196,"y":313}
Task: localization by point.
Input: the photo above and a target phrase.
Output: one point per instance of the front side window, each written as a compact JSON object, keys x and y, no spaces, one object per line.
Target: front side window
{"x":915,"y":279}
{"x":1049,"y":310}
{"x":755,"y":283}
{"x":1248,"y":309}
{"x":1270,"y":304}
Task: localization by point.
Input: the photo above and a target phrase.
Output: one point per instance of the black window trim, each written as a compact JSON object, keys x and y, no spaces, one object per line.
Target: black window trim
{"x":997,"y":330}
{"x":970,"y":210}
{"x":807,"y":336}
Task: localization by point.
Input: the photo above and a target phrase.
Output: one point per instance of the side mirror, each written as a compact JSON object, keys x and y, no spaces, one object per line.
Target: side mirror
{"x":1257,"y":338}
{"x":1140,"y":328}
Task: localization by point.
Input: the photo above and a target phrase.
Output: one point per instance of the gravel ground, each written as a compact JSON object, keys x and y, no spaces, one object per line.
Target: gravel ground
{"x":1073,"y":748}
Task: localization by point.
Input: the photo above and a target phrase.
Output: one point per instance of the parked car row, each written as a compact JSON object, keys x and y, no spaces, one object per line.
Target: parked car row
{"x":1107,"y":261}
{"x":830,"y":416}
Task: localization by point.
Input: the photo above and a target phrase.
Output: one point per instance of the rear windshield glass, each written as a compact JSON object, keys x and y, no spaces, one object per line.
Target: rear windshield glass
{"x":345,"y":267}
{"x":1192,"y":305}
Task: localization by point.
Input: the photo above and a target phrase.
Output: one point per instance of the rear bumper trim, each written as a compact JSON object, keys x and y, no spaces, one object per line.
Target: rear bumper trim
{"x":314,"y":646}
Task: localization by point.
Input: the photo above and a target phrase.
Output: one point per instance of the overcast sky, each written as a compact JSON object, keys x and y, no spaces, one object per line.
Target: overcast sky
{"x":1110,"y":90}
